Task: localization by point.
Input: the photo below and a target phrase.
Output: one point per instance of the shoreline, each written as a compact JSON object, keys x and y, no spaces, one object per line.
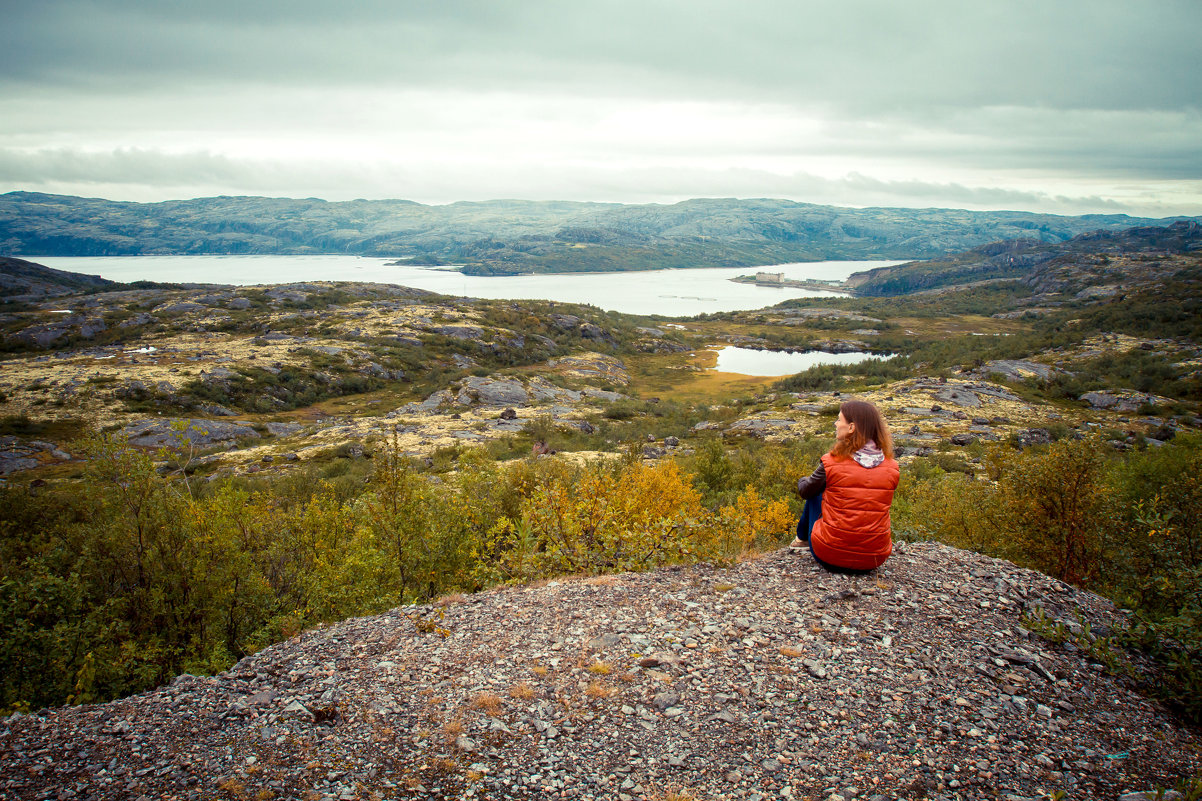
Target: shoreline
{"x":788,"y":283}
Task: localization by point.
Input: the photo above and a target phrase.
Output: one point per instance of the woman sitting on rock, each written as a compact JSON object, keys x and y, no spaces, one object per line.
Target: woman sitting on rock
{"x":845,"y":522}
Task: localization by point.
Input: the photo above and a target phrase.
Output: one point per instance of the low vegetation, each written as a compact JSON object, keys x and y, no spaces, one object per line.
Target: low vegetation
{"x":1123,"y":525}
{"x":117,"y":574}
{"x":142,"y":576}
{"x":122,"y":582}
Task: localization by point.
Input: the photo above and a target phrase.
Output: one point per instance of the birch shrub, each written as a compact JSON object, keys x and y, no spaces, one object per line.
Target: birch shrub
{"x":129,"y":577}
{"x":1123,"y":525}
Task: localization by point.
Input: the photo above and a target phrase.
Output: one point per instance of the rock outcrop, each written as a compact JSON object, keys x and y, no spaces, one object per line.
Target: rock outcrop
{"x":1124,"y":400}
{"x":16,"y":455}
{"x":198,"y":433}
{"x":771,"y":679}
{"x":48,"y":334}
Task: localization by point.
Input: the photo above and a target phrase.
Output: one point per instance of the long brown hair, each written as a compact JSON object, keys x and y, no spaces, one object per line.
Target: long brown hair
{"x":870,"y":425}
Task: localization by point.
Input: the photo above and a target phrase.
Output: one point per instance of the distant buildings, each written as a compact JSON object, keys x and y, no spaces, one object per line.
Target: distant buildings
{"x":772,"y":279}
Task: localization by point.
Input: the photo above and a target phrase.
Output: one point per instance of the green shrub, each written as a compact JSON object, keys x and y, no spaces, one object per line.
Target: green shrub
{"x":1124,"y":525}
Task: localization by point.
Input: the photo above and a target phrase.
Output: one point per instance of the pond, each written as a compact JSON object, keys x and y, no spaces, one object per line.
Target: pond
{"x":747,"y":361}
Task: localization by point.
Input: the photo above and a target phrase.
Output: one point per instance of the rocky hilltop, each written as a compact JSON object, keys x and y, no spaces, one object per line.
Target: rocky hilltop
{"x":768,"y":679}
{"x":513,"y":236}
{"x":22,"y":280}
{"x":1097,"y":262}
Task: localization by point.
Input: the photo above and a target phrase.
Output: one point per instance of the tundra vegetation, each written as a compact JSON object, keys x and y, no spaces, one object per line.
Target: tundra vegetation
{"x":122,"y":566}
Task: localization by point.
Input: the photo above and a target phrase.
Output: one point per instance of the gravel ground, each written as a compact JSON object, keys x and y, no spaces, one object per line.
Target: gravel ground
{"x":770,"y":679}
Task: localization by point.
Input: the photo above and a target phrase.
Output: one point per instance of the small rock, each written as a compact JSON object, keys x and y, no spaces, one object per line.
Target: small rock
{"x":663,"y":701}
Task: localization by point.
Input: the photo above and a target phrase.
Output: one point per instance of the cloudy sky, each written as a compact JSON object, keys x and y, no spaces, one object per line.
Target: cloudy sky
{"x":1064,"y":106}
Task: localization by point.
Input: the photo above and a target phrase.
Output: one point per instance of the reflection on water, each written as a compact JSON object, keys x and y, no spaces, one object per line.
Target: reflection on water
{"x":746,"y":361}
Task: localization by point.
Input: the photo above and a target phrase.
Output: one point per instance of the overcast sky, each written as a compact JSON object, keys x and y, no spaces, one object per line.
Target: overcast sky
{"x":1052,"y":105}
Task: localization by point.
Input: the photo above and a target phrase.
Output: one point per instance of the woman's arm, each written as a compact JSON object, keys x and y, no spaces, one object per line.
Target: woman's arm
{"x":812,"y":484}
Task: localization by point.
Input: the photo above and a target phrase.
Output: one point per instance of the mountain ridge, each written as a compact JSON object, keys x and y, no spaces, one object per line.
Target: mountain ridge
{"x":1099,"y":254}
{"x":502,"y":237}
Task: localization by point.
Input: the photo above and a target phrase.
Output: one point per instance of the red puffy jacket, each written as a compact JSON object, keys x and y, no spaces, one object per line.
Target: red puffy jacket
{"x":854,"y":530}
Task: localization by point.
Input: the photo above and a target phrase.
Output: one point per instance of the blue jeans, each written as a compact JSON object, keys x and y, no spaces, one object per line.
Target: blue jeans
{"x":811,"y":513}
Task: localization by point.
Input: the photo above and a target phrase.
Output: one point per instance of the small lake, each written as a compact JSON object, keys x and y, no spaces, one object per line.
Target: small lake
{"x":673,"y":293}
{"x":747,"y":361}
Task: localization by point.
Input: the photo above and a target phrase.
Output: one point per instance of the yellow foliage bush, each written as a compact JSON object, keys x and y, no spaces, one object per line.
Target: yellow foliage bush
{"x":151,"y":576}
{"x":751,"y":524}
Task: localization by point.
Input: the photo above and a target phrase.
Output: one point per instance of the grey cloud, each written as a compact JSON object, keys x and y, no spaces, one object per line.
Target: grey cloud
{"x":151,"y":175}
{"x":126,"y":165}
{"x":957,"y":94}
{"x":1147,"y":144}
{"x":865,"y":55}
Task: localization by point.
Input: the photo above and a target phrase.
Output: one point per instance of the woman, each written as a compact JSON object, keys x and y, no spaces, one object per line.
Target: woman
{"x":845,"y":522}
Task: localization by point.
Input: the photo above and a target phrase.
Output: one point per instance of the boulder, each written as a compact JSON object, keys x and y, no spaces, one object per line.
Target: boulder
{"x":1017,"y":370}
{"x":958,"y":396}
{"x":430,"y":405}
{"x":542,"y":391}
{"x":459,"y":331}
{"x":1032,"y":436}
{"x":180,"y":307}
{"x":199,"y":433}
{"x":218,"y":374}
{"x":592,"y":366}
{"x":759,"y":426}
{"x":13,"y":462}
{"x":567,"y":322}
{"x":50,"y":334}
{"x":291,"y":295}
{"x":590,"y":331}
{"x":141,"y":318}
{"x":492,"y":392}
{"x":1123,"y":400}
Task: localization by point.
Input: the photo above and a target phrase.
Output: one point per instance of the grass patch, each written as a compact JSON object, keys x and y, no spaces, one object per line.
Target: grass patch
{"x":59,"y":430}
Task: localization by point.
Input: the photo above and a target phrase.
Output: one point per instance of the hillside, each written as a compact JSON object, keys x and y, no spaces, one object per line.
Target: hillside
{"x":1095,"y":259}
{"x":22,"y":280}
{"x":512,"y":236}
{"x":771,"y":679}
{"x":296,"y":371}
{"x":276,"y":459}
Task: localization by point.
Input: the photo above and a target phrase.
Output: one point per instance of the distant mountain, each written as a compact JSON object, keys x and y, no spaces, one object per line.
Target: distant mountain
{"x":1097,"y":253}
{"x":512,"y":236}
